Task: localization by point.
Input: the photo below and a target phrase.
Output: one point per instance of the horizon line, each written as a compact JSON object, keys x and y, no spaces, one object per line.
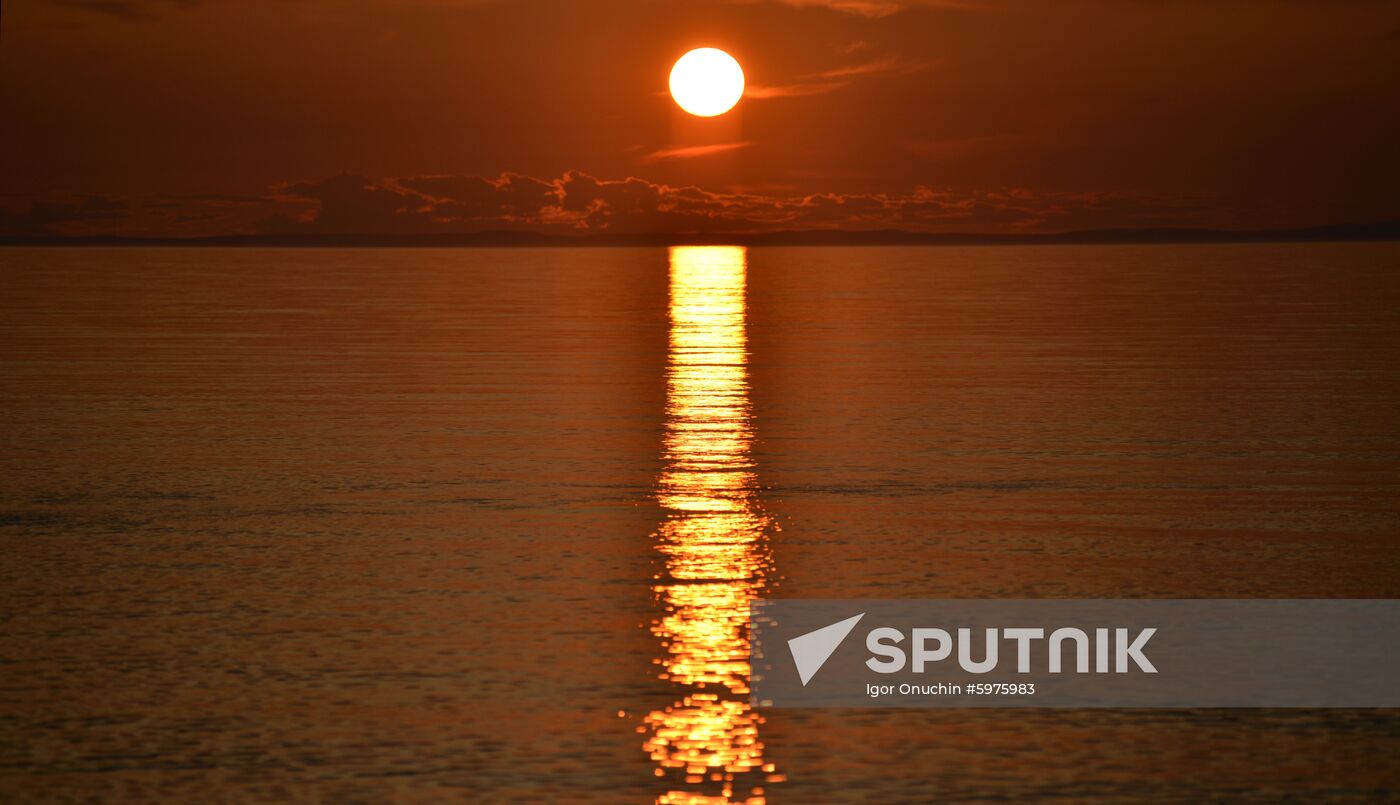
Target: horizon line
{"x":505,"y":238}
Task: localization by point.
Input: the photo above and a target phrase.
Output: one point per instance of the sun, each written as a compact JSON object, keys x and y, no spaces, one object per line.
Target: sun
{"x":707,"y":82}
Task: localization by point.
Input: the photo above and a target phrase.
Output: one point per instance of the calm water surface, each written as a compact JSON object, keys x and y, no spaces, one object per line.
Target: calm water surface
{"x":483,"y":525}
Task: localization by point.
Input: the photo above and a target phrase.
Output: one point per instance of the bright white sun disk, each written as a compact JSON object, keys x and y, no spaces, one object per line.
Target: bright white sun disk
{"x":707,"y":82}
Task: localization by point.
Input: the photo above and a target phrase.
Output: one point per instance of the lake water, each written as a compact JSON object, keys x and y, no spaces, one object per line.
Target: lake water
{"x":483,"y":525}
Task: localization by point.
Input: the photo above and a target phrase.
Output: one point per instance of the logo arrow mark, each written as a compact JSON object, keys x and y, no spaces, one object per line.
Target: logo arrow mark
{"x":811,"y":651}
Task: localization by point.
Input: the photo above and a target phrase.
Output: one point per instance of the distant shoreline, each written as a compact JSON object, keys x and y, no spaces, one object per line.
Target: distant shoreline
{"x":1383,"y":231}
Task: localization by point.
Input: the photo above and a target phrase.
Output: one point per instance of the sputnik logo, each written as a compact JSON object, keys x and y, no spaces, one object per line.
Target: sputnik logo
{"x":811,"y":651}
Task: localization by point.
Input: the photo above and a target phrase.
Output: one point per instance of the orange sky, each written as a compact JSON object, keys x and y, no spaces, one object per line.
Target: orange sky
{"x":216,"y":116}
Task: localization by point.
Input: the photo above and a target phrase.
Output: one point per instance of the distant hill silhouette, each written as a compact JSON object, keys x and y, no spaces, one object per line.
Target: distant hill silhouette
{"x":1385,"y":230}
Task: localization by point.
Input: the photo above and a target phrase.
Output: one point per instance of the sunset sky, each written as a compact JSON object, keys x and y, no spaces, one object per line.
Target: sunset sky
{"x":198,"y":117}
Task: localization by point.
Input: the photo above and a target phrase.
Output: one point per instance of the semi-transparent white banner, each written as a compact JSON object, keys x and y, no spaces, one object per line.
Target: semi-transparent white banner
{"x":1076,"y":653}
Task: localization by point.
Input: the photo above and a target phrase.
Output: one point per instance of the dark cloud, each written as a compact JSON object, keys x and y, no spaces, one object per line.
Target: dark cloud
{"x":347,"y":203}
{"x":509,"y":197}
{"x":49,"y":217}
{"x":579,"y":202}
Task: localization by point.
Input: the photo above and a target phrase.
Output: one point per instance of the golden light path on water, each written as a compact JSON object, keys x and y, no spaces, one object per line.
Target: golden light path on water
{"x":714,"y":540}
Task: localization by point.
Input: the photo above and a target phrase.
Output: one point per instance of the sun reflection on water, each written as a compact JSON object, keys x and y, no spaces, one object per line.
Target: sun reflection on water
{"x":714,"y":540}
